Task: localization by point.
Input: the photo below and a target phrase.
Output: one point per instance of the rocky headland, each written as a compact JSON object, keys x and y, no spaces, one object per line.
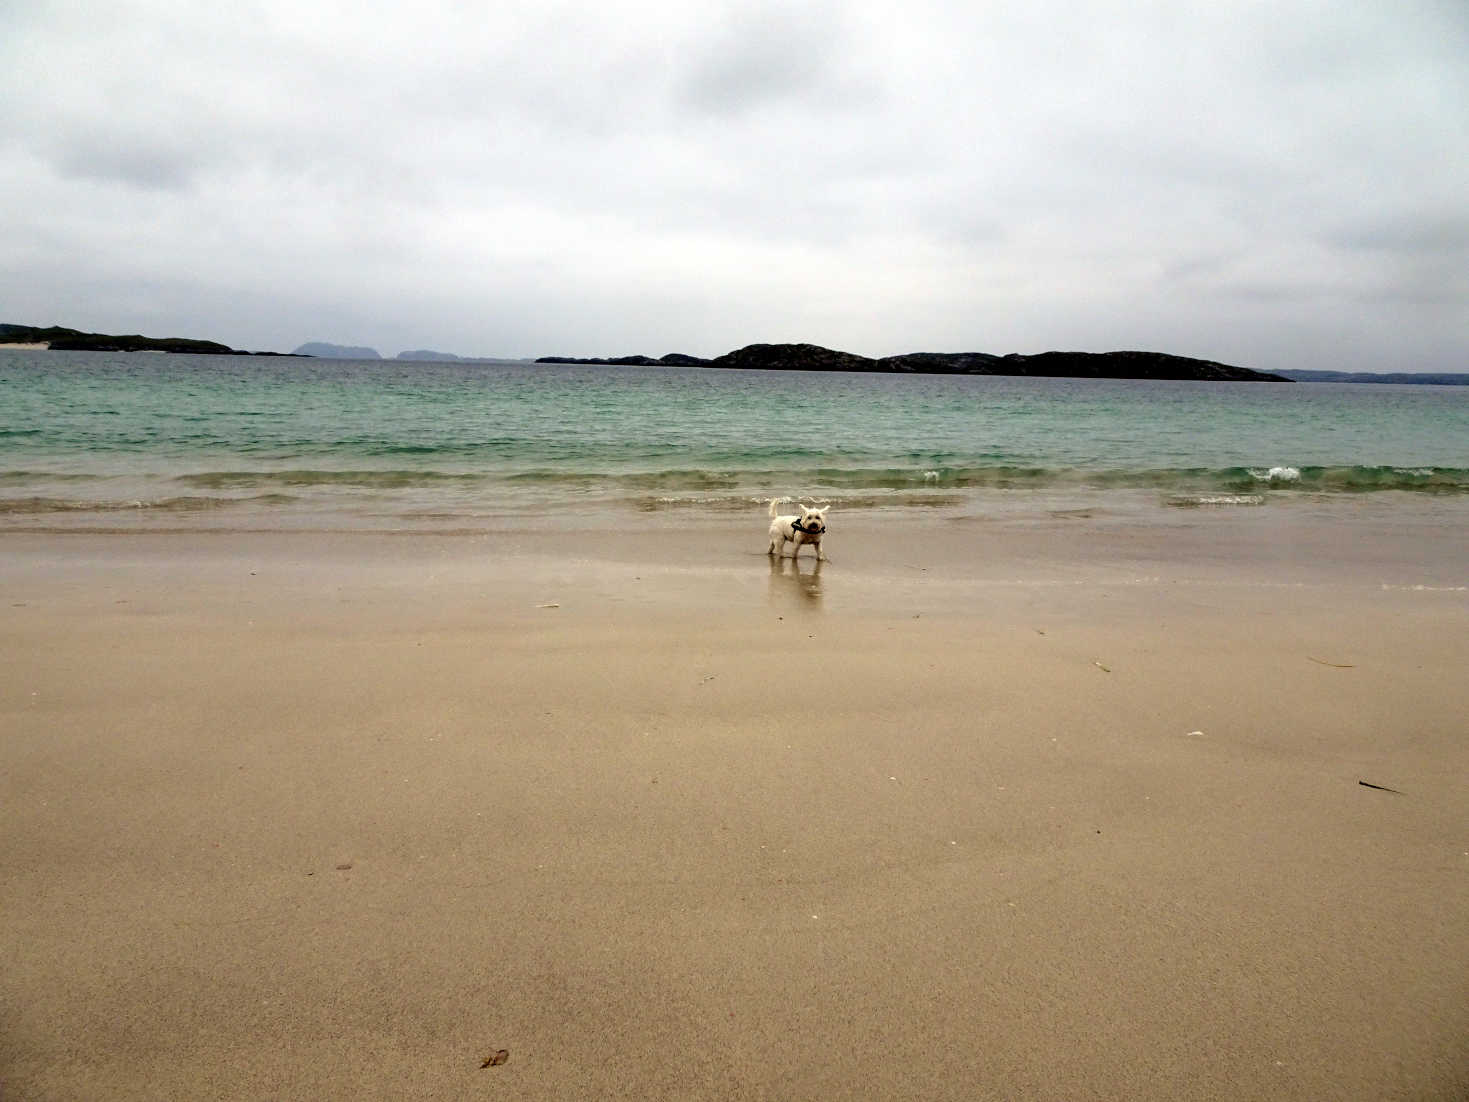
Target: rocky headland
{"x":60,"y":339}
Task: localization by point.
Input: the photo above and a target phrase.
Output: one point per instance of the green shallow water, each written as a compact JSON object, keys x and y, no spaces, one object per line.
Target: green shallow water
{"x":99,"y":436}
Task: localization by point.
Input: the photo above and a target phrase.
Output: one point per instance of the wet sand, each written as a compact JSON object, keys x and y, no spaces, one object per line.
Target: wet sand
{"x":1050,"y":810}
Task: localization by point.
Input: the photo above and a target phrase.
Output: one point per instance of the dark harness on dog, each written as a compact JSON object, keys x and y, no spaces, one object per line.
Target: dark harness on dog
{"x":796,"y":527}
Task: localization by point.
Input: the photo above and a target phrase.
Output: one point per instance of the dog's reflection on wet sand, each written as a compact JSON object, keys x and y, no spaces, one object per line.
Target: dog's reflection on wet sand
{"x":790,"y":580}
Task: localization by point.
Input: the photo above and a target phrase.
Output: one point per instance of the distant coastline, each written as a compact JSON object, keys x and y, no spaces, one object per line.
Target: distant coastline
{"x":1419,"y":378}
{"x":766,"y":357}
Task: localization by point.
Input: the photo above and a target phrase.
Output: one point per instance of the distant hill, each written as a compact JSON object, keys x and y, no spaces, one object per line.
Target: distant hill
{"x":336,"y":351}
{"x":1093,"y":365}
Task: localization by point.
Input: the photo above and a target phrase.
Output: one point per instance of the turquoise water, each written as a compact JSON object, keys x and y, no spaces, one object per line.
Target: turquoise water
{"x":104,"y":438}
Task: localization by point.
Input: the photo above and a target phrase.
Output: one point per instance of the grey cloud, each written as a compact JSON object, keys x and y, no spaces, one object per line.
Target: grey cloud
{"x":754,"y":68}
{"x":124,"y":161}
{"x":765,"y":55}
{"x":1428,"y":233}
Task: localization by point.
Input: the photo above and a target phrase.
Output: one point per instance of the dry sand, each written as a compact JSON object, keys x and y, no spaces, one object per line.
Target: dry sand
{"x":1057,"y":811}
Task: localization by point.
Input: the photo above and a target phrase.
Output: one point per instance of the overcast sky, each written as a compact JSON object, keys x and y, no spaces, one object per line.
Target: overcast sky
{"x":1273,"y":184}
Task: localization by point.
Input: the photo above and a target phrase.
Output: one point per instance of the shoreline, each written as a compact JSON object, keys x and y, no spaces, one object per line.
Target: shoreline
{"x":1375,"y":540}
{"x":979,"y":809}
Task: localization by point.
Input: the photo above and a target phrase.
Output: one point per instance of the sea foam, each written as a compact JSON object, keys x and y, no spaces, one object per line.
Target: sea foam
{"x":1191,"y":501}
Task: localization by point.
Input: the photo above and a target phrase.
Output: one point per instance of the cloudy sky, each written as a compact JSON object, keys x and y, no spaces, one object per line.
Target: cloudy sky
{"x":1282,"y":183}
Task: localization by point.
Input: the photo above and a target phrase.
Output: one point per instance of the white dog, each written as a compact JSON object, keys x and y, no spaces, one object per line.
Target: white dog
{"x":808,"y":527}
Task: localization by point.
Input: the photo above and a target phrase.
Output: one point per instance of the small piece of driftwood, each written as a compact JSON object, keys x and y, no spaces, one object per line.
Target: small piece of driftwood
{"x":1379,"y":787}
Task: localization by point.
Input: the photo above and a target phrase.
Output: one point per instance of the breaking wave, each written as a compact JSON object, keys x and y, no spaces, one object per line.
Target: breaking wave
{"x":1226,"y":480}
{"x":405,"y":492}
{"x":655,"y":481}
{"x":1001,"y":477}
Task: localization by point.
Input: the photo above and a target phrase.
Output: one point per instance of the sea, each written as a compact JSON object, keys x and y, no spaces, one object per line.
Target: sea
{"x":158,"y":441}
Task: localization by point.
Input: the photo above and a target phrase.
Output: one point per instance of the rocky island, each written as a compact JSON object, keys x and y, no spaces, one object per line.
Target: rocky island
{"x":1087,"y":365}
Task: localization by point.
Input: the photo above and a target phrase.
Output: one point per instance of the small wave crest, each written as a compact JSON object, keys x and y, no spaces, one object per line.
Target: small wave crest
{"x":1194,"y":501}
{"x":742,"y":503}
{"x":27,"y":478}
{"x":22,"y":506}
{"x":845,"y":481}
{"x":674,"y":479}
{"x":1362,"y":479}
{"x":363,"y":479}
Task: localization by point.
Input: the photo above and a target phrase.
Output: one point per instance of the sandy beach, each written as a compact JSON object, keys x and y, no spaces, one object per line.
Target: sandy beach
{"x":1057,"y":810}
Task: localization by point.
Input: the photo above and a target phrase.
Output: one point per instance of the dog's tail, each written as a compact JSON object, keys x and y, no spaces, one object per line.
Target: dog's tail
{"x":775,"y":502}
